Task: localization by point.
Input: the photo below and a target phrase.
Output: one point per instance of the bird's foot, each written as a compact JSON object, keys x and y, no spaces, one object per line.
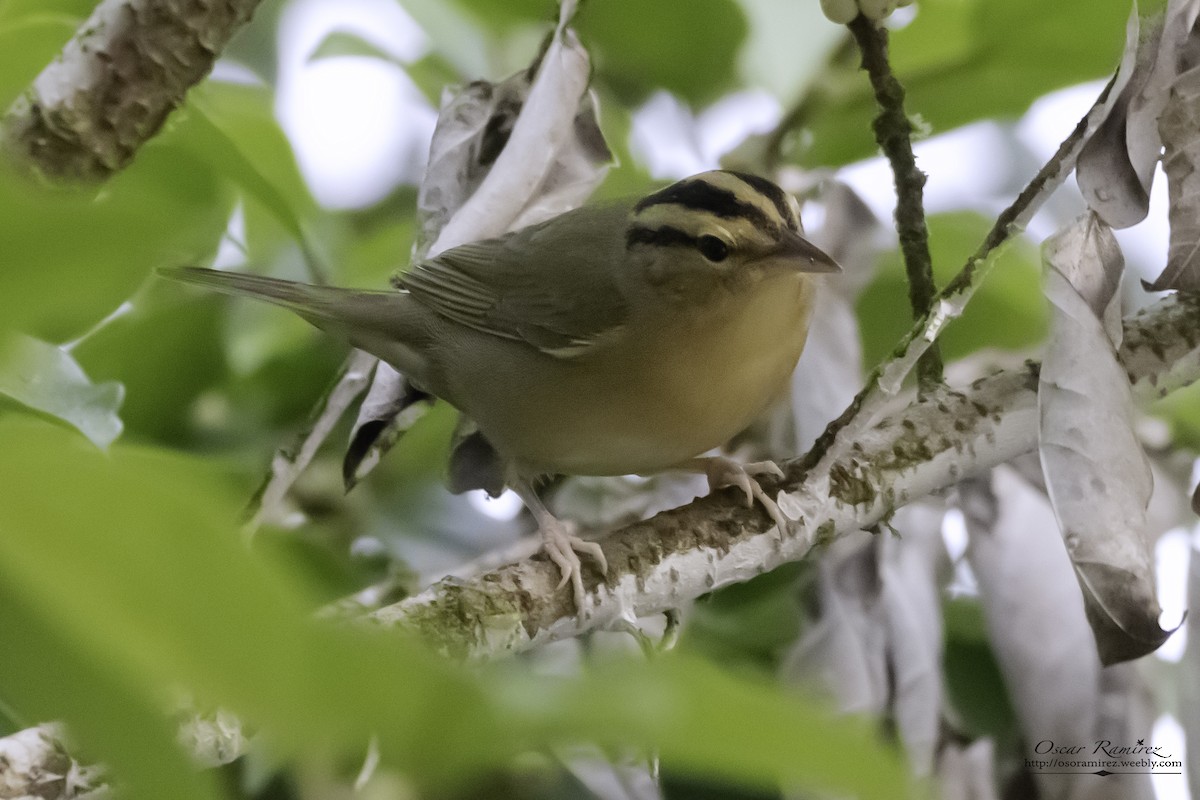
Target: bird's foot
{"x":723,"y":472}
{"x":562,"y":546}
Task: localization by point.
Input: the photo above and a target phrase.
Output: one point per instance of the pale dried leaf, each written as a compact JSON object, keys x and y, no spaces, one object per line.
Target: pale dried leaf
{"x":1097,"y":475}
{"x":830,"y":370}
{"x":844,"y":653}
{"x":1087,"y":256}
{"x":1105,"y":172}
{"x":608,"y":777}
{"x":877,"y":646}
{"x":829,"y":373}
{"x":1126,"y":715}
{"x":503,"y":156}
{"x":1189,"y":670}
{"x":1033,"y":611}
{"x":544,"y":132}
{"x":912,"y":609}
{"x":392,"y":406}
{"x":1116,"y":166}
{"x":1180,"y":127}
{"x":46,"y":378}
{"x":965,"y":772}
{"x":1146,"y":106}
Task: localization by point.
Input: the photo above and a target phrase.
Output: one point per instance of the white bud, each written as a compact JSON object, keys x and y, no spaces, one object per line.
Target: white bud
{"x":839,"y":11}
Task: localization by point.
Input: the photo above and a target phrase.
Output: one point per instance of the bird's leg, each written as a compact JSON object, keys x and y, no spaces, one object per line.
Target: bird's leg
{"x":560,"y":544}
{"x":722,"y":472}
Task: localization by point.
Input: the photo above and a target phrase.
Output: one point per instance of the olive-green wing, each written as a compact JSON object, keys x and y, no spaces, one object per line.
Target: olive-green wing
{"x":554,"y":285}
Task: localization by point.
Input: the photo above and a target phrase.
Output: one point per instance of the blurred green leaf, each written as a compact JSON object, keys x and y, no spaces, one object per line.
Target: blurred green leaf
{"x":688,"y":47}
{"x":750,"y":623}
{"x":1006,"y":312}
{"x":71,"y":259}
{"x":339,"y":44}
{"x":454,"y":34}
{"x":1181,"y":409}
{"x":28,"y":42}
{"x":23,"y":9}
{"x":963,"y":60}
{"x":193,"y":609}
{"x":500,"y":17}
{"x":113,"y":721}
{"x":176,"y":338}
{"x":707,"y":723}
{"x":233,"y":128}
{"x":47,"y":378}
{"x":974,"y":682}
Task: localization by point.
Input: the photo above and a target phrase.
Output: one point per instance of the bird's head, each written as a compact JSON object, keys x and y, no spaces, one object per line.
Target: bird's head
{"x":720,"y":228}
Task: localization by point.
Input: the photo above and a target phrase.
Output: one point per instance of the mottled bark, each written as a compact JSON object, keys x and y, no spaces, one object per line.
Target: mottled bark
{"x":115,"y":83}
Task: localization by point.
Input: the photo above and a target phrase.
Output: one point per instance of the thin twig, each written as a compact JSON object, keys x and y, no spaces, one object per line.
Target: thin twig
{"x":893,"y":132}
{"x":885,"y":380}
{"x":289,"y":462}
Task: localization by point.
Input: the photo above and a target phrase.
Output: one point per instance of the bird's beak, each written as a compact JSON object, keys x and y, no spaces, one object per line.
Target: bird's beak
{"x":795,"y":250}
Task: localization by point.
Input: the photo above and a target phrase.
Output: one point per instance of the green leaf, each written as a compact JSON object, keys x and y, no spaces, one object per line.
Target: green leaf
{"x":133,"y":560}
{"x":704,"y":721}
{"x":1007,"y":312}
{"x":27,"y":44}
{"x":974,"y":682}
{"x":233,"y":128}
{"x":340,"y":44}
{"x":501,"y":17}
{"x":963,"y":60}
{"x":77,"y":10}
{"x":112,"y":720}
{"x":688,"y":47}
{"x":70,"y":260}
{"x":1181,"y":409}
{"x":454,"y":34}
{"x":46,"y":378}
{"x":177,"y":341}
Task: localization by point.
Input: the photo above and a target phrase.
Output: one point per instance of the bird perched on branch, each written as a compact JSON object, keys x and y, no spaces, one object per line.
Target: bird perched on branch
{"x":619,"y":338}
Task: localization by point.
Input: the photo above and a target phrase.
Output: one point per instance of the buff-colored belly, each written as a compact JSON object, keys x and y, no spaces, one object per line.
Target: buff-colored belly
{"x":689,"y":387}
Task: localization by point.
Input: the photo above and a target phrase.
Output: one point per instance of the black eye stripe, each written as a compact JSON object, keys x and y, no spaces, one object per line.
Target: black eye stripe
{"x":703,"y":196}
{"x":666,"y":236}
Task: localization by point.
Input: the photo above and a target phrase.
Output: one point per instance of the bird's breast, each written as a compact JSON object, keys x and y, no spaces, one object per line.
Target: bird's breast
{"x":678,"y":383}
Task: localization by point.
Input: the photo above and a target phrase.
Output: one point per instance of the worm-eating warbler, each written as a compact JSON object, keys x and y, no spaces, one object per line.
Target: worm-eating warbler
{"x":618,"y":338}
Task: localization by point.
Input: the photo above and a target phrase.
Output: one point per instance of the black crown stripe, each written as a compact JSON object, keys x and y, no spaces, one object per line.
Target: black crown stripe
{"x":703,"y":196}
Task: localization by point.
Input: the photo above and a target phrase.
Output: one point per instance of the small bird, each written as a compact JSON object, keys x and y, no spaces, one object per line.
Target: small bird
{"x":620,"y":338}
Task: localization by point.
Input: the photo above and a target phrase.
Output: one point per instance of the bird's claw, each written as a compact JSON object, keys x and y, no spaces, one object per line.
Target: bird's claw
{"x":562,"y":547}
{"x":723,"y":472}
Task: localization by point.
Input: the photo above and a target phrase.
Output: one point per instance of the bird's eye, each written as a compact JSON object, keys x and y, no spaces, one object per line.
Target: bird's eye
{"x":712,"y":248}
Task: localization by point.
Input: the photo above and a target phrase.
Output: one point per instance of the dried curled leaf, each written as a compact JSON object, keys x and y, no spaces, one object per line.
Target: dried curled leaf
{"x":1116,"y":166}
{"x":503,"y":156}
{"x":46,"y":378}
{"x":877,"y":647}
{"x":1096,"y":473}
{"x":1180,"y":127}
{"x":1034,"y":615}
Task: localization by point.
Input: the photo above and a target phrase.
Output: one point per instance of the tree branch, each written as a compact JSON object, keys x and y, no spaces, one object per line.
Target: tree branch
{"x":886,"y":379}
{"x":115,"y":82}
{"x":893,"y":132}
{"x":681,"y":554}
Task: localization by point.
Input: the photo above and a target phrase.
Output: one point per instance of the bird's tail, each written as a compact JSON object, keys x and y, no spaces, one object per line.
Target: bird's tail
{"x":380,"y":322}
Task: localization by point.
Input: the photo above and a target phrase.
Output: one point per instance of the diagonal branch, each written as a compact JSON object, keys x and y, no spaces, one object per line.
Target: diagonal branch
{"x":115,"y":82}
{"x":679,"y":555}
